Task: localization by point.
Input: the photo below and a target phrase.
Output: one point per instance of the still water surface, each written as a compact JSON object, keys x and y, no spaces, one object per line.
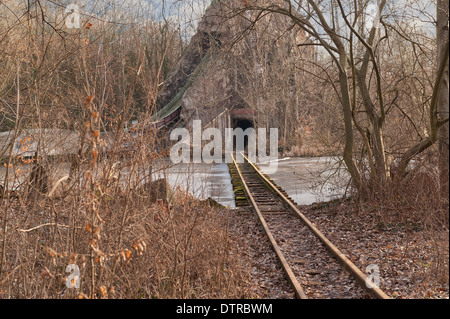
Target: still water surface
{"x":306,"y":180}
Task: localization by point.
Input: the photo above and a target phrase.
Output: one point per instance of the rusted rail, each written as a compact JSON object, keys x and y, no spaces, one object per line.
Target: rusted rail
{"x":287,"y":269}
{"x":259,"y":203}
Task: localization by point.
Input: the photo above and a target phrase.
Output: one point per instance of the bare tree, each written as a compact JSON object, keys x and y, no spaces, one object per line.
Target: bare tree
{"x":442,"y":23}
{"x":354,"y":41}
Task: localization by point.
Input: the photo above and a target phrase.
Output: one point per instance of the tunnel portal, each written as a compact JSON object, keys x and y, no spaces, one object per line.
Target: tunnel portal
{"x":244,"y":119}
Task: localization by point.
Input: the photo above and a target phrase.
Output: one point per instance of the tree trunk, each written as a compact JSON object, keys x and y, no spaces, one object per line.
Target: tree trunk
{"x":443,"y":99}
{"x":376,"y":131}
{"x":348,"y":123}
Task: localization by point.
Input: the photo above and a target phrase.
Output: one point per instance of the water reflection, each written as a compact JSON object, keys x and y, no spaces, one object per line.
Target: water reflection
{"x":306,"y":180}
{"x":202,"y":181}
{"x":309,"y":180}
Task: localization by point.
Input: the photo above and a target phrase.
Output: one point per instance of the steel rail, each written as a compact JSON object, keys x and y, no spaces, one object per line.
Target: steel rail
{"x":360,"y":277}
{"x":284,"y":264}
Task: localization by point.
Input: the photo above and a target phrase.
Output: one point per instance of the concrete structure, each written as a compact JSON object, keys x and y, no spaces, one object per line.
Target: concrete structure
{"x":52,"y":142}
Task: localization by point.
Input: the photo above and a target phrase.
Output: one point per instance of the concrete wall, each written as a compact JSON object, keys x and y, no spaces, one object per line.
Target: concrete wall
{"x":53,"y":142}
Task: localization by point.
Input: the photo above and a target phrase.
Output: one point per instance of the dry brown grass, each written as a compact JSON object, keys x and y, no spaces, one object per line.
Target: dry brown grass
{"x":102,"y":217}
{"x":417,"y":206}
{"x":90,"y":209}
{"x":127,"y":248}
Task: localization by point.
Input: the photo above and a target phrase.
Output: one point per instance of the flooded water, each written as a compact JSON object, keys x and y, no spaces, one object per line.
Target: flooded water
{"x":202,"y":181}
{"x":306,"y":180}
{"x":309,"y":180}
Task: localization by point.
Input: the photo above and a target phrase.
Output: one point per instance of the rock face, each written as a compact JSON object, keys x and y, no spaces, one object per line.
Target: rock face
{"x":210,"y":33}
{"x":230,"y":65}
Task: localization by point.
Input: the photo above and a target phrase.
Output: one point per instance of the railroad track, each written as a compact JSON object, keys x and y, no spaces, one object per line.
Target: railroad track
{"x":312,"y":264}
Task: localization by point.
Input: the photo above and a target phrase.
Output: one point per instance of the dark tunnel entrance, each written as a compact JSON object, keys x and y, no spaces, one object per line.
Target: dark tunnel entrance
{"x":244,"y":124}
